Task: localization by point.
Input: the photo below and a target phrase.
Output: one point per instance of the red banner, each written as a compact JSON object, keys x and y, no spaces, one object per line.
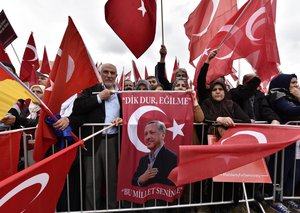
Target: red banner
{"x":175,"y":111}
{"x":37,"y":188}
{"x":9,"y":153}
{"x":240,"y":145}
{"x":7,"y":33}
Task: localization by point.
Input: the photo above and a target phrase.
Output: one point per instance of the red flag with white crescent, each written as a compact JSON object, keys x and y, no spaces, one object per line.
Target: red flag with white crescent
{"x":38,"y":187}
{"x":138,"y":110}
{"x":134,"y":22}
{"x":249,"y":34}
{"x":240,"y":145}
{"x":205,"y":21}
{"x":45,"y":68}
{"x":30,"y":63}
{"x":73,"y":70}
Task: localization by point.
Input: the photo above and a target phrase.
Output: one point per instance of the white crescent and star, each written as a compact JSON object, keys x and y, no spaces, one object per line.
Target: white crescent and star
{"x":215,"y":7}
{"x":42,"y":179}
{"x":34,"y":51}
{"x":176,"y":129}
{"x":261,"y":139}
{"x":132,"y":129}
{"x":70,"y":70}
{"x":142,"y":8}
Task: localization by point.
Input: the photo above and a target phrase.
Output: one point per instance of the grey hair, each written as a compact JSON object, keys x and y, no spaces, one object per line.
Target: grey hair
{"x":161,"y":125}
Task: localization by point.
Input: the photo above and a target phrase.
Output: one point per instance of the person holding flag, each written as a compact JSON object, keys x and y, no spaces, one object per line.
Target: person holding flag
{"x":102,"y":107}
{"x":160,"y":70}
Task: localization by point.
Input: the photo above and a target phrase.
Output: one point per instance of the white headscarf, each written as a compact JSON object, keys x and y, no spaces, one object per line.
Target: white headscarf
{"x":34,"y":108}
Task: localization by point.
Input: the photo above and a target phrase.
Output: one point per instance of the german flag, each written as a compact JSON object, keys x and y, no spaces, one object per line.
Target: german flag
{"x":11,"y":89}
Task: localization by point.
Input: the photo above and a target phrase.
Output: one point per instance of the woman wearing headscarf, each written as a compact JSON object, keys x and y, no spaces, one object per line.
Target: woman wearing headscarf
{"x":218,"y":108}
{"x":181,"y":84}
{"x":284,"y":98}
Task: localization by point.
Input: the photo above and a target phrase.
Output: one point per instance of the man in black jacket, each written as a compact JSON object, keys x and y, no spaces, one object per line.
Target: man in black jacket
{"x":156,"y":166}
{"x":100,"y":104}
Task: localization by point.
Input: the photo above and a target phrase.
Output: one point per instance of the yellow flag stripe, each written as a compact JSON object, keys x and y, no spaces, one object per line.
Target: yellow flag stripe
{"x":10,"y":92}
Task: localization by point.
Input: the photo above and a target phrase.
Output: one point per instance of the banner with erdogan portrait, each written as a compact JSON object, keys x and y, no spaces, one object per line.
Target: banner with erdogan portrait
{"x":154,"y":125}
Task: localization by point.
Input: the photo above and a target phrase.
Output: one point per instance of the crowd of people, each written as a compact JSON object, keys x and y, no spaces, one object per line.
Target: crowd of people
{"x":214,"y":105}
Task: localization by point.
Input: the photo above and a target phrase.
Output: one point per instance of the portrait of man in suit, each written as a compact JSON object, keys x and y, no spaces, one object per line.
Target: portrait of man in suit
{"x":156,"y":165}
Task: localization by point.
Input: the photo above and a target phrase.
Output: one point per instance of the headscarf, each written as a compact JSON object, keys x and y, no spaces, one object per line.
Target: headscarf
{"x":220,"y":108}
{"x":34,"y":108}
{"x":144,"y":82}
{"x":180,"y":79}
{"x":180,"y":70}
{"x":282,"y":81}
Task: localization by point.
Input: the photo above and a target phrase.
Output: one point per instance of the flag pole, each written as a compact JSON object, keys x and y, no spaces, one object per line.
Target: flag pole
{"x":15,"y":53}
{"x":235,"y":22}
{"x":162,"y":22}
{"x":123,"y":79}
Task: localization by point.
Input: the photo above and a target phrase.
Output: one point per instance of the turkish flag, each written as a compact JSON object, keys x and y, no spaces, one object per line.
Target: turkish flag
{"x":3,"y":55}
{"x":73,"y":70}
{"x":136,"y":72}
{"x":38,"y":187}
{"x":137,"y":30}
{"x":139,"y":108}
{"x":146,"y":73}
{"x":128,"y":75}
{"x":45,"y":68}
{"x":240,"y":145}
{"x":121,"y":81}
{"x":30,"y":63}
{"x":9,"y":153}
{"x":249,"y":34}
{"x":205,"y":21}
{"x":7,"y":33}
{"x":175,"y":67}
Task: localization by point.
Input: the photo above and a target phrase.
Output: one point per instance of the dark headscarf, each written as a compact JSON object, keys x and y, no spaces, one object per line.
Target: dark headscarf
{"x":220,"y":108}
{"x":282,"y":81}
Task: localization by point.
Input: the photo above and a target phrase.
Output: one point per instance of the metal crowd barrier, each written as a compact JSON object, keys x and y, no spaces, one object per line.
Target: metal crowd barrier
{"x":199,"y":194}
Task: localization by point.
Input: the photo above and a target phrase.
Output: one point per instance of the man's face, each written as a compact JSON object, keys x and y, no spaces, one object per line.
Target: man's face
{"x":153,"y":82}
{"x":153,"y":137}
{"x":42,"y":80}
{"x":128,"y":85}
{"x":108,"y":74}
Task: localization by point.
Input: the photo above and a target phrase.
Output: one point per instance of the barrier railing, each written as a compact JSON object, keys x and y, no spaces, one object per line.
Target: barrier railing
{"x":199,"y":194}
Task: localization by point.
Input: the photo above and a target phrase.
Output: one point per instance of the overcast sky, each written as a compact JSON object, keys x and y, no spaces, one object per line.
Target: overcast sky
{"x":48,"y":21}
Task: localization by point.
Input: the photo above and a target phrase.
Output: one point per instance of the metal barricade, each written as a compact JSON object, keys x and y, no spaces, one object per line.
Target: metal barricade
{"x":199,"y":194}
